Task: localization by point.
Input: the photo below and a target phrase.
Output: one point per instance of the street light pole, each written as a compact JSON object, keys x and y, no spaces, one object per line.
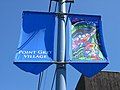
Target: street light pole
{"x":61,"y":67}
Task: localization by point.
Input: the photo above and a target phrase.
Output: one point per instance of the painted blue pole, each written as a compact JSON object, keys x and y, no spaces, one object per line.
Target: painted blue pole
{"x":61,"y":68}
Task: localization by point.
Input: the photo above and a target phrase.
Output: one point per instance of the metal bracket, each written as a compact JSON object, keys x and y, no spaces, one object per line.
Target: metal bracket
{"x":61,"y":15}
{"x":67,"y":1}
{"x":61,"y":62}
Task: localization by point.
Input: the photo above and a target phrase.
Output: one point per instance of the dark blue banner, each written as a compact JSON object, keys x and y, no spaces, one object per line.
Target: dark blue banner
{"x":36,"y":44}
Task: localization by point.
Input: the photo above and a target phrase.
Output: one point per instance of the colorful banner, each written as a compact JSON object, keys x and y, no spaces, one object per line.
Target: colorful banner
{"x":36,"y":44}
{"x":86,"y":44}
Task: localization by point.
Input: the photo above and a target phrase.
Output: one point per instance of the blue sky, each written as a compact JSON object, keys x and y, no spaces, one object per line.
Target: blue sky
{"x":12,"y":78}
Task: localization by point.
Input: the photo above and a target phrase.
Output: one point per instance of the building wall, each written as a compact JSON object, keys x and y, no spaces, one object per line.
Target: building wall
{"x":101,"y":81}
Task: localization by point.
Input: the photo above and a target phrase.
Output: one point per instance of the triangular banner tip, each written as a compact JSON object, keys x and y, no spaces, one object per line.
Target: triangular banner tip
{"x":89,"y":69}
{"x":34,"y":68}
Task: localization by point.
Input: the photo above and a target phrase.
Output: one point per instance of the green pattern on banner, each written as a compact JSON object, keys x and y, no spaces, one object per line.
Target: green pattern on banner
{"x":84,"y":41}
